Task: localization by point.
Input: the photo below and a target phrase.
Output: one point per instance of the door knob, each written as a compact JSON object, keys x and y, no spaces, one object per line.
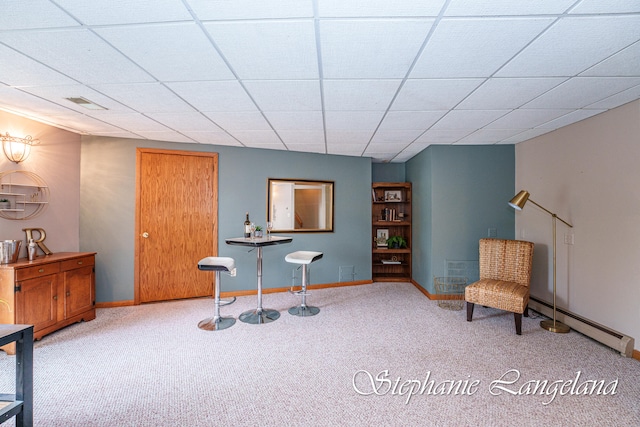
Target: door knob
{"x":145,"y":235}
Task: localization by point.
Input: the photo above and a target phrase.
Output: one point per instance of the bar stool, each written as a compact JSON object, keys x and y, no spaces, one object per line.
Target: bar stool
{"x":217,"y":264}
{"x":304,"y":258}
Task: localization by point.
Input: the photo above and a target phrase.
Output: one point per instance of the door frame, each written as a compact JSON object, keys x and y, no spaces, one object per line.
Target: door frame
{"x":138,"y":232}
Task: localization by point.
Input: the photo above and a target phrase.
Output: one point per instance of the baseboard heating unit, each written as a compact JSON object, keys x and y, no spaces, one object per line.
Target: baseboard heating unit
{"x":606,"y":336}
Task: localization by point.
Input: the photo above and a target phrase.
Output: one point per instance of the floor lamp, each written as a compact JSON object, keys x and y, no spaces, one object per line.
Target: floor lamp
{"x":518,"y":203}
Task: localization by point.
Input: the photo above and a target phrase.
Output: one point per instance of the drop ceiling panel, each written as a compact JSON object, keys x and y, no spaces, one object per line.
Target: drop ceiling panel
{"x":528,"y":134}
{"x":357,"y":8}
{"x":33,"y":14}
{"x":165,"y":136}
{"x":624,"y":63}
{"x":433,"y":94}
{"x":135,"y":122}
{"x":298,"y":137}
{"x":241,"y":120}
{"x":86,"y":123}
{"x":376,"y":48}
{"x":285,"y":95}
{"x":442,"y":136}
{"x":308,"y":147}
{"x":145,"y":98}
{"x":365,"y":95}
{"x":574,"y":44}
{"x":101,"y":12}
{"x":599,"y":6}
{"x":79,"y":54}
{"x":526,"y":119}
{"x":475,"y":47}
{"x":346,"y":137}
{"x":167,"y":51}
{"x":295,"y":120}
{"x":395,"y":136}
{"x":399,"y":120}
{"x":25,"y":71}
{"x":59,"y":94}
{"x":506,"y":7}
{"x":468,"y":119}
{"x":224,"y":96}
{"x":259,"y":138}
{"x":618,"y":99}
{"x":187,"y":121}
{"x":269,"y":49}
{"x":508,"y":92}
{"x":567,"y":119}
{"x":213,"y":137}
{"x":346,"y":148}
{"x":353,"y":120}
{"x":251,"y":9}
{"x":579,"y":92}
{"x":25,"y":103}
{"x":488,"y":136}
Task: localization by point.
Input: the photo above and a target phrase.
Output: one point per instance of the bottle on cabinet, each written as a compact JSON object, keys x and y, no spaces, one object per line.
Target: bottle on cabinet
{"x":32,"y":250}
{"x":247,"y":227}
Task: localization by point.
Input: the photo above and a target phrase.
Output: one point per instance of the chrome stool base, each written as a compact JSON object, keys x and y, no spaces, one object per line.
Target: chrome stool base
{"x":304,"y":310}
{"x":211,"y":324}
{"x":256,"y":317}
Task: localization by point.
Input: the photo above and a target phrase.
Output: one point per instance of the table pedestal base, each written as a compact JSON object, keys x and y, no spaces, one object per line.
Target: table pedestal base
{"x":258,"y":316}
{"x":304,"y":310}
{"x":213,"y":324}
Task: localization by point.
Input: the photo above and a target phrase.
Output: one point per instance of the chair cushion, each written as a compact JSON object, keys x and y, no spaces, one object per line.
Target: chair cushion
{"x":303,"y":257}
{"x":499,"y":294}
{"x":213,"y":263}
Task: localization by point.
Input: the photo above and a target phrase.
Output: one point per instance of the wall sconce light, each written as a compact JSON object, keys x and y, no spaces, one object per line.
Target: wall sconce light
{"x":17,"y":149}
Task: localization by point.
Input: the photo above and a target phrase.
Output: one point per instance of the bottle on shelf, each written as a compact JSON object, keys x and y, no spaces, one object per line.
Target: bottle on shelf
{"x":247,"y":227}
{"x":32,"y":250}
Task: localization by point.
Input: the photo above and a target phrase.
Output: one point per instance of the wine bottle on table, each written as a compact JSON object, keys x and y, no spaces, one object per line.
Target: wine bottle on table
{"x":247,"y":227}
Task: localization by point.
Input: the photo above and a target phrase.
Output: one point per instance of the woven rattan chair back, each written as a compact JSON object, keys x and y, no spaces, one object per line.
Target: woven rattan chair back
{"x":508,"y":260}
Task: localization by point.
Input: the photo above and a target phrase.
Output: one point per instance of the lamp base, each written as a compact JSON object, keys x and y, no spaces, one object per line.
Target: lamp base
{"x":556,"y":326}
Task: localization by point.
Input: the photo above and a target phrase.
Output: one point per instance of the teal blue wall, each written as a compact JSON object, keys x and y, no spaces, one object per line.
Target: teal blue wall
{"x":459,"y":193}
{"x":388,"y":172}
{"x":107,"y":212}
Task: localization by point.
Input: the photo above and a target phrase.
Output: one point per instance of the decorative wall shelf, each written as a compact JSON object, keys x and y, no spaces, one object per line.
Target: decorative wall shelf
{"x":28,"y":195}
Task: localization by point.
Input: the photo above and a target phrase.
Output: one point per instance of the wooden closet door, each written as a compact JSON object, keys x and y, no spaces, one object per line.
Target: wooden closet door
{"x":176,"y":216}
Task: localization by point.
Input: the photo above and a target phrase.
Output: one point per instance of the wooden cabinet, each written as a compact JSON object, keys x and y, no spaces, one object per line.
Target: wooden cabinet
{"x":49,"y":293}
{"x":391,"y":216}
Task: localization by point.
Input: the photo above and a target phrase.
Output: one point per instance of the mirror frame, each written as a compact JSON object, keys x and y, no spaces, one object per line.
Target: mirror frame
{"x":329,"y":198}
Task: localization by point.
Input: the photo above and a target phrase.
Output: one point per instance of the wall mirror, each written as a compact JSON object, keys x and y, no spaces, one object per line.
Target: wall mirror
{"x":298,"y":205}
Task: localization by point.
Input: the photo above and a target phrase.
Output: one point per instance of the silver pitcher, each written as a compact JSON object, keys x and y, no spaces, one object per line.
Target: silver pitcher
{"x":9,"y":251}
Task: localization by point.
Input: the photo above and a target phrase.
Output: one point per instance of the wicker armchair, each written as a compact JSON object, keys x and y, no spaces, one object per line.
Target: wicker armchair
{"x":505,"y":272}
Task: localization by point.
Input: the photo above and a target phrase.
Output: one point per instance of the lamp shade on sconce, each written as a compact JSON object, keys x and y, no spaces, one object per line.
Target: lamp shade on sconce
{"x":17,"y":149}
{"x":519,"y":200}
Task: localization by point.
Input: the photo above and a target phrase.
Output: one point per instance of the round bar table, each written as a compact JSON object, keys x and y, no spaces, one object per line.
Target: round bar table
{"x":259,"y":314}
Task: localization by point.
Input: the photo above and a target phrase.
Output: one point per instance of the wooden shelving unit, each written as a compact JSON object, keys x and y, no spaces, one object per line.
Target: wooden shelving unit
{"x":391,"y":216}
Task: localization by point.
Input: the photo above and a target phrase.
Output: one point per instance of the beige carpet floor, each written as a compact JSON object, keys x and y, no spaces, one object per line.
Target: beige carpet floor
{"x":352,"y":364}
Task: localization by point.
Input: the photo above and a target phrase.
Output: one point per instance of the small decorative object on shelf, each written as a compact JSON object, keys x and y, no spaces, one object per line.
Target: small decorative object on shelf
{"x":391,"y":226}
{"x":258,"y":232}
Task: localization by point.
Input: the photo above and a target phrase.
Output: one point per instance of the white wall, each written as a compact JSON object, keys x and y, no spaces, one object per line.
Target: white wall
{"x":57,"y":161}
{"x":589,"y":174}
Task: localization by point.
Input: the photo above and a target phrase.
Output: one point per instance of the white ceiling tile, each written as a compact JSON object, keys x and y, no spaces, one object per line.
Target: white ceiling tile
{"x":376,"y":48}
{"x":18,"y":14}
{"x":252,"y":138}
{"x":60,"y":94}
{"x":475,"y":47}
{"x":574,"y":44}
{"x":375,"y":148}
{"x":295,"y":120}
{"x":567,"y":119}
{"x":120,"y":134}
{"x":579,"y":92}
{"x":269,"y":49}
{"x":399,"y":120}
{"x":27,"y":72}
{"x":167,"y":51}
{"x":609,"y":6}
{"x":618,"y":99}
{"x":308,"y":148}
{"x":240,"y":120}
{"x":488,"y":136}
{"x":433,"y":94}
{"x":526,"y":119}
{"x":25,"y":103}
{"x":79,"y":54}
{"x":395,"y":136}
{"x":101,"y":12}
{"x":212,"y":96}
{"x":624,"y":63}
{"x":165,"y":136}
{"x":135,"y":122}
{"x":86,"y":123}
{"x":353,"y":120}
{"x":506,"y":7}
{"x":381,"y":8}
{"x":285,"y":95}
{"x":251,"y":9}
{"x":442,"y":136}
{"x":213,"y":137}
{"x":468,"y":119}
{"x":509,"y":93}
{"x":347,"y":137}
{"x":364,"y":95}
{"x":299,"y":137}
{"x":145,"y":97}
{"x":187,"y":121}
{"x":345,"y":148}
{"x":525,"y":136}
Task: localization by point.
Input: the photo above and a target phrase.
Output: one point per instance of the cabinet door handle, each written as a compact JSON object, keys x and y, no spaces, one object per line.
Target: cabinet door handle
{"x":41,"y":270}
{"x":145,"y":235}
{"x":79,"y":262}
{"x":68,"y":293}
{"x":55,"y":297}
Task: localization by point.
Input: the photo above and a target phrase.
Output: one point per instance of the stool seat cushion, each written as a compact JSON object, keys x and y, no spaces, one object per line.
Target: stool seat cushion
{"x":214,"y":263}
{"x":303,"y":257}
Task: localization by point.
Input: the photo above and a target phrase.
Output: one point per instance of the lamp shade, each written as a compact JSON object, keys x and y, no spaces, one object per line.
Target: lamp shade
{"x":519,"y":200}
